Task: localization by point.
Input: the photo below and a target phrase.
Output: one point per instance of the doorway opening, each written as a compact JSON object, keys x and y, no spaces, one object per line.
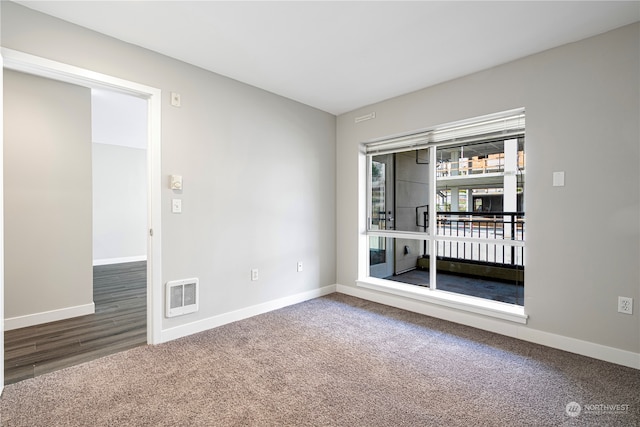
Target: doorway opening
{"x":54,"y":216}
{"x":150,"y":273}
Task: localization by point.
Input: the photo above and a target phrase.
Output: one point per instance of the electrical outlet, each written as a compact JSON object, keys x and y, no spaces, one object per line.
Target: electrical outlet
{"x":299,"y":266}
{"x":254,"y":274}
{"x":625,"y":305}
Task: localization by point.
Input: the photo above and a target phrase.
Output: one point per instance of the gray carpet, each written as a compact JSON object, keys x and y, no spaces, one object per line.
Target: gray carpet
{"x":332,"y":361}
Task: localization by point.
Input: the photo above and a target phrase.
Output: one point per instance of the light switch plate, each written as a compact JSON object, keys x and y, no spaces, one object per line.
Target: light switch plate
{"x":175,"y":99}
{"x":558,"y":179}
{"x":176,"y":205}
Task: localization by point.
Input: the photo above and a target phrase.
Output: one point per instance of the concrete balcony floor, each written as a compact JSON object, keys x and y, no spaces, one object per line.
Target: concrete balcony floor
{"x":482,"y":288}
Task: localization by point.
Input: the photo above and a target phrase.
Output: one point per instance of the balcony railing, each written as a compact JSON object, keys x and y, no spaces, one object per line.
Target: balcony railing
{"x":506,"y":226}
{"x":494,"y":163}
{"x":470,"y":167}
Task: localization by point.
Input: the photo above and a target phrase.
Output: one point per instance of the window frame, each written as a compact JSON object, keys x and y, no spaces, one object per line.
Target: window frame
{"x":426,"y":140}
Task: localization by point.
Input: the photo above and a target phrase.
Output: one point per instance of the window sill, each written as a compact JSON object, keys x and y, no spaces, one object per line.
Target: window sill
{"x":500,"y":310}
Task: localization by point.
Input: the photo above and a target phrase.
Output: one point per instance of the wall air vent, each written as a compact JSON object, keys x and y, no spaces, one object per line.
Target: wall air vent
{"x":181,"y":297}
{"x":365,"y":117}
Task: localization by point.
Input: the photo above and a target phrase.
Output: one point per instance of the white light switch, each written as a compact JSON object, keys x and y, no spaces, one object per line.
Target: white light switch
{"x":558,"y":179}
{"x":176,"y":205}
{"x":175,"y":99}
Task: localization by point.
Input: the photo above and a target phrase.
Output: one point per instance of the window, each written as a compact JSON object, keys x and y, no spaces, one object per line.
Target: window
{"x":445,"y":208}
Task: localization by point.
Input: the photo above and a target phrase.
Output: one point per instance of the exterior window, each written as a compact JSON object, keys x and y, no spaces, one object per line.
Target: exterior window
{"x":446,"y":209}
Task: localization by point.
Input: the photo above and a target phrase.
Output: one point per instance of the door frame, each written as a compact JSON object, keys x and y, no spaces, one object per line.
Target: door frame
{"x":42,"y":67}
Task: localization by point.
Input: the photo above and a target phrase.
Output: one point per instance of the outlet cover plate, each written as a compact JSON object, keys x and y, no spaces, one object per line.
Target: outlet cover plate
{"x":625,"y":305}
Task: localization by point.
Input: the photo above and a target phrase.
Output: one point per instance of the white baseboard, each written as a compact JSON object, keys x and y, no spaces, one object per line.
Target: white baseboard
{"x":48,"y":316}
{"x":234,"y":316}
{"x":573,"y":345}
{"x":585,"y":348}
{"x":109,"y":261}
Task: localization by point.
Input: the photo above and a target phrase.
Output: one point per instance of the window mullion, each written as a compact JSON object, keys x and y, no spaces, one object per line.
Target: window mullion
{"x":369,"y":189}
{"x":432,"y":229}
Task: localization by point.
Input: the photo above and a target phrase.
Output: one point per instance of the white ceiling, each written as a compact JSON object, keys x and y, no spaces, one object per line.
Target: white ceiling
{"x":339,"y":56}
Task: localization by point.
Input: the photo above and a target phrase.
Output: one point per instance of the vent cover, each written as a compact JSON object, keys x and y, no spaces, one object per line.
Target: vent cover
{"x":181,"y":297}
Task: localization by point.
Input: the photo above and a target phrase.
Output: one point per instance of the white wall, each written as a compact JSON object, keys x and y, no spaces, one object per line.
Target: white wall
{"x":119,"y":162}
{"x":47,"y":195}
{"x":259,"y":170}
{"x":118,"y":119}
{"x":583,"y":240}
{"x":119,"y":204}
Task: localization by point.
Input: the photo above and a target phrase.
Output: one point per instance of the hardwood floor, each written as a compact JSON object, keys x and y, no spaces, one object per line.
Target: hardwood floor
{"x":119,"y":323}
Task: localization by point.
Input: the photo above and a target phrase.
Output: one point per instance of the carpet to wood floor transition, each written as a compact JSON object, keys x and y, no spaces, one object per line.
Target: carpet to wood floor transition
{"x":119,"y":323}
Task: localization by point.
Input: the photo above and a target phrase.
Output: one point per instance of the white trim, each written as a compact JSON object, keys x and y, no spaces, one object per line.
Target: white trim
{"x":27,"y":63}
{"x":433,"y":220}
{"x":510,"y":329}
{"x":43,"y":67}
{"x":585,"y":348}
{"x":485,"y":307}
{"x":244,"y":313}
{"x":1,"y":227}
{"x":48,"y":316}
{"x":109,"y":261}
{"x":419,"y":235}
